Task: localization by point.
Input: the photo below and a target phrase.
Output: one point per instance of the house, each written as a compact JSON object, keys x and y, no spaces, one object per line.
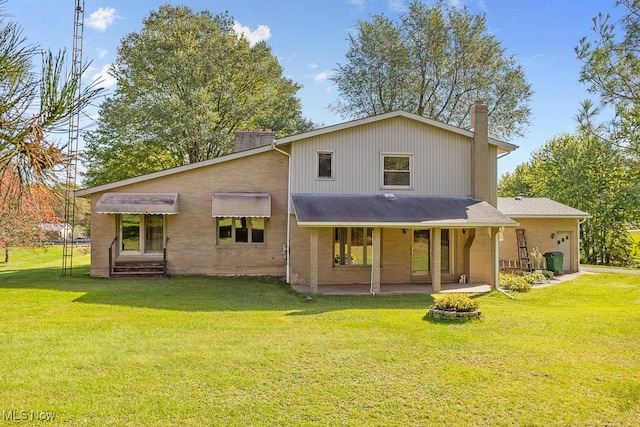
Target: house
{"x":394,"y":198}
{"x":544,"y":224}
{"x":55,"y":231}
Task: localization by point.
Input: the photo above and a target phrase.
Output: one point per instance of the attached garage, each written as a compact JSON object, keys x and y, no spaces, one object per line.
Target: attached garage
{"x":544,"y":224}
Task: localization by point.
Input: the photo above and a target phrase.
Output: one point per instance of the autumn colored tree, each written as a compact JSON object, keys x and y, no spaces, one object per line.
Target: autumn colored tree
{"x":22,"y":210}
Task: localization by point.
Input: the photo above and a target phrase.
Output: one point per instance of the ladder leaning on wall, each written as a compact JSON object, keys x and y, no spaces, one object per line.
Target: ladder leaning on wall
{"x":523,"y":252}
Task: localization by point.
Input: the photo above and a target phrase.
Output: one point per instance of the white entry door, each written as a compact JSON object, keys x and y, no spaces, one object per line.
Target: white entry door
{"x":564,"y":246}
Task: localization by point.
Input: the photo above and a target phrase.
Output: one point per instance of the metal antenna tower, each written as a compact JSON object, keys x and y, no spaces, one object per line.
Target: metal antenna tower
{"x":72,"y":147}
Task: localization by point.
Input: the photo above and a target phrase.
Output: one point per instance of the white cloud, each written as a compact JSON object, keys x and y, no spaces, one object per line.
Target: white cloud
{"x":357,"y":3}
{"x":103,"y":78}
{"x":321,"y":77}
{"x":101,"y":18}
{"x":102,"y":53}
{"x":313,"y":66}
{"x":398,"y":6}
{"x":262,"y":33}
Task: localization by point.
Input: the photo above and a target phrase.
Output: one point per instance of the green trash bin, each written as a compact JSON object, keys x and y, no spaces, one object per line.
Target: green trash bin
{"x":554,"y":261}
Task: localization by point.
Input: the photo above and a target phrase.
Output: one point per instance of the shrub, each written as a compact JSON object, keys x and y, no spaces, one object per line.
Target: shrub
{"x":515,"y":283}
{"x":539,"y":277}
{"x":547,"y":274}
{"x":457,"y":302}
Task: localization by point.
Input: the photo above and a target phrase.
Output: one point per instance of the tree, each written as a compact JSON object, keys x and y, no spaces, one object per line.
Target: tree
{"x":587,"y":172}
{"x":610,"y":62}
{"x":610,"y":65}
{"x":185,"y":84}
{"x":517,"y":183}
{"x":434,"y":62}
{"x":33,"y":106}
{"x":23,"y":208}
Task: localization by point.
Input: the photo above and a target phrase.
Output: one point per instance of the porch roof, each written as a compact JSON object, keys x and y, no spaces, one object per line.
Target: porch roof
{"x":138,"y":203}
{"x":537,"y":207}
{"x":394,"y":211}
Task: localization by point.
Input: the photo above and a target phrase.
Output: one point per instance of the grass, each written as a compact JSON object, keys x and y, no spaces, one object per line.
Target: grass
{"x":219,"y":351}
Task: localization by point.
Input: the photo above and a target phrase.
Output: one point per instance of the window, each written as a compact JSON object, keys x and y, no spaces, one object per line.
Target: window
{"x":352,"y":246}
{"x":325,"y":164}
{"x":141,"y":233}
{"x":396,"y":170}
{"x":240,"y":230}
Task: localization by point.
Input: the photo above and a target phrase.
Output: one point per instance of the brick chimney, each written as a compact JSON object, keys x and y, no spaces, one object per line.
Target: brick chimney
{"x":248,"y":139}
{"x":480,"y":151}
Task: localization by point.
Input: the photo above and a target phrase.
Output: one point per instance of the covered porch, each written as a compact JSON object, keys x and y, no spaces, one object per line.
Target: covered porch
{"x":461,"y":233}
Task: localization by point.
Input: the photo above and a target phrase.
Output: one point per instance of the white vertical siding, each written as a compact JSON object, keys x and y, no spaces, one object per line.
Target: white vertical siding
{"x":441,"y":159}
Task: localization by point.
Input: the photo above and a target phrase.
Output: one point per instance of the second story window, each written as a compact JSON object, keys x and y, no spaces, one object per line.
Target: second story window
{"x":396,"y":170}
{"x":325,"y":165}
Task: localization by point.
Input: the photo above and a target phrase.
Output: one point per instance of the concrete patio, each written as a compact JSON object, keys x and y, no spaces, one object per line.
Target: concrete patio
{"x":417,"y":288}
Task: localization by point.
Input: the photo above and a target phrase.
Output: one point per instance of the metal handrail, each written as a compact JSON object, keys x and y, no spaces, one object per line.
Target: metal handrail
{"x":113,"y":242}
{"x":164,"y":258}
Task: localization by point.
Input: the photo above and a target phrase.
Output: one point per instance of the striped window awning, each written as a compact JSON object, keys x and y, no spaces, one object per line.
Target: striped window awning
{"x":237,"y":205}
{"x":138,"y":203}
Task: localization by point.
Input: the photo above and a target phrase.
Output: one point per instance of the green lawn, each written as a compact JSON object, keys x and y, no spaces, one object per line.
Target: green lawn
{"x":210,"y":351}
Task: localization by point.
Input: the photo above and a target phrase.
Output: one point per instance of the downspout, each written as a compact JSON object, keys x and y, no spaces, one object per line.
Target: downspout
{"x":286,"y":251}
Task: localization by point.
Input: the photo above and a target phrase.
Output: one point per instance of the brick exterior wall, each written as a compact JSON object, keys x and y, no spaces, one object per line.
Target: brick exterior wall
{"x":538,"y":235}
{"x":480,"y":152}
{"x":192,"y":233}
{"x":482,"y":258}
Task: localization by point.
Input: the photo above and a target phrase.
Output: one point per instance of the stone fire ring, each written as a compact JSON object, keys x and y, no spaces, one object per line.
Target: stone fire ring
{"x":437,"y":313}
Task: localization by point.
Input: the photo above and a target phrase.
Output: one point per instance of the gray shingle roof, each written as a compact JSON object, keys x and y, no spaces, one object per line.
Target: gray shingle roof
{"x":395,"y":211}
{"x":540,"y":207}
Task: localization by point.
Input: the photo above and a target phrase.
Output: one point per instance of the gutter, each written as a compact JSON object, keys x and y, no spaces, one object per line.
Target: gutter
{"x":286,"y":247}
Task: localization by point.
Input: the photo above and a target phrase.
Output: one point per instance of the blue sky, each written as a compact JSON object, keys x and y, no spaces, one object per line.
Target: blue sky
{"x":310,"y":38}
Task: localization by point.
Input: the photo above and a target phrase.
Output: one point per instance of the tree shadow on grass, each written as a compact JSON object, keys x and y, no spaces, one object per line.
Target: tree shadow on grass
{"x":201,"y":293}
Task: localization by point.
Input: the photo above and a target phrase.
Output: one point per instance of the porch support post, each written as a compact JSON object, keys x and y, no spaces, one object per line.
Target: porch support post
{"x":436,"y":274}
{"x":495,"y":278}
{"x":375,"y":262}
{"x":313,"y":261}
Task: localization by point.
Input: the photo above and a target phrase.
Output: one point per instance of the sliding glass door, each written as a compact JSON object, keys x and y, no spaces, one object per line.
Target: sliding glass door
{"x":421,"y":252}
